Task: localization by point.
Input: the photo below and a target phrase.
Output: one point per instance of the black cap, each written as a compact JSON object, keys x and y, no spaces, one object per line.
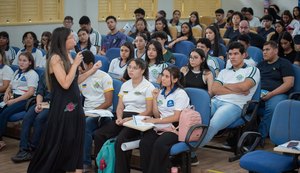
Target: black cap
{"x":84,"y":20}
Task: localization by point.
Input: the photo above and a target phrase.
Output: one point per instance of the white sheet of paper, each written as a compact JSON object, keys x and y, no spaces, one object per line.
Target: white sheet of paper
{"x":99,"y":113}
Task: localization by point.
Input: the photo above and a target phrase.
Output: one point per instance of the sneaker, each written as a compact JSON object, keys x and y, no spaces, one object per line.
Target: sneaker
{"x":194,"y":161}
{"x":22,"y":156}
{"x":88,"y":169}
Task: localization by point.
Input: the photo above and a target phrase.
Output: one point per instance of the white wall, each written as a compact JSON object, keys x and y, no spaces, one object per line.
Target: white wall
{"x":78,"y":8}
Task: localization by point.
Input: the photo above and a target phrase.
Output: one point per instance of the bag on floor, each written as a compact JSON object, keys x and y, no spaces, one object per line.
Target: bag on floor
{"x":188,"y":118}
{"x":106,"y":157}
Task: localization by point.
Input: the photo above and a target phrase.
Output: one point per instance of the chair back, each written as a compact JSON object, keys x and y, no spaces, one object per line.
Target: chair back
{"x":112,"y":53}
{"x":129,"y":39}
{"x":105,"y":62}
{"x":207,"y":20}
{"x":197,"y":32}
{"x":222,"y":31}
{"x":296,"y":87}
{"x":117,"y":86}
{"x":285,"y":122}
{"x":184,"y":47}
{"x":173,"y":32}
{"x":270,"y":35}
{"x":40,"y":71}
{"x":221,"y":63}
{"x":180,"y":59}
{"x":255,"y":53}
{"x":201,"y":100}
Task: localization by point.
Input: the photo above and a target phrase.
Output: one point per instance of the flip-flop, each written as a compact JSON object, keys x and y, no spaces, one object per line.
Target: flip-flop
{"x":2,"y":145}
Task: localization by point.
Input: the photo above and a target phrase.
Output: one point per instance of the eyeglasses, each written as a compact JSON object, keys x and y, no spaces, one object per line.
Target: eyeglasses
{"x":193,"y":58}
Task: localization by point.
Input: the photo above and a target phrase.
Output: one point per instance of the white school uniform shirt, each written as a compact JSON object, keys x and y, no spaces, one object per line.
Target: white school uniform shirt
{"x":231,"y":76}
{"x":155,"y":70}
{"x":176,"y":100}
{"x":39,"y":58}
{"x":6,"y":73}
{"x":249,"y":61}
{"x":254,"y":22}
{"x":94,"y":88}
{"x":95,"y":38}
{"x":10,"y":55}
{"x":142,"y":57}
{"x":134,"y":98}
{"x":116,"y":68}
{"x":21,"y":82}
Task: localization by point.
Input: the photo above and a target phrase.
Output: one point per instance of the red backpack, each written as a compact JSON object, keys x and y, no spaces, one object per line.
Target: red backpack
{"x":188,"y":118}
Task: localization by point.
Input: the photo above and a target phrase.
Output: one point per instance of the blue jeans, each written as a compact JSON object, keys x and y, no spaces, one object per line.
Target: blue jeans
{"x":266,"y":111}
{"x":91,"y":124}
{"x":223,"y":114}
{"x":8,"y":111}
{"x":37,"y":120}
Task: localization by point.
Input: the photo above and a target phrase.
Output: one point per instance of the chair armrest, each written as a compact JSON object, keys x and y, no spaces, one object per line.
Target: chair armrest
{"x":243,"y":139}
{"x":295,"y":95}
{"x":246,"y":108}
{"x":189,"y":133}
{"x":30,"y":102}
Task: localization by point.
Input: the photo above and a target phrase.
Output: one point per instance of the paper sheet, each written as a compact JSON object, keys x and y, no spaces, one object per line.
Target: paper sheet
{"x":130,"y":145}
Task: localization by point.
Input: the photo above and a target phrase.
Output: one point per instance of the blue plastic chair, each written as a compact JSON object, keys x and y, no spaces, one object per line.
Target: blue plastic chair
{"x":117,"y":86}
{"x":255,"y":53}
{"x":180,"y":59}
{"x":184,"y":47}
{"x":201,"y":100}
{"x":112,"y":53}
{"x":105,"y":62}
{"x":221,"y":63}
{"x":296,"y":87}
{"x":284,"y":127}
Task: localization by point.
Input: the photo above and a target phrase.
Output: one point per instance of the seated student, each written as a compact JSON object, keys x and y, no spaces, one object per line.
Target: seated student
{"x":197,"y":73}
{"x":161,"y":25}
{"x":4,"y":46}
{"x":84,"y":42}
{"x":131,"y":28}
{"x":140,"y":42}
{"x":220,"y":18}
{"x":279,"y":29}
{"x":212,"y":62}
{"x":119,"y":65}
{"x":161,"y":37}
{"x":286,"y":47}
{"x":22,"y":87}
{"x":45,"y":41}
{"x":217,"y":49}
{"x":6,"y":73}
{"x":135,"y":97}
{"x":141,"y":27}
{"x":244,"y":40}
{"x":186,"y":34}
{"x":233,"y":31}
{"x":232,"y":89}
{"x":175,"y":21}
{"x":292,"y":25}
{"x":253,"y":21}
{"x":31,"y":43}
{"x":194,"y":20}
{"x":35,"y":117}
{"x":115,"y":38}
{"x":155,"y":61}
{"x":266,"y":26}
{"x":277,"y":78}
{"x":97,"y":90}
{"x":168,"y":103}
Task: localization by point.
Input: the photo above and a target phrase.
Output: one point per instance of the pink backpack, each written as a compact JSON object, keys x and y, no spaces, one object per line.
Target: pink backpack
{"x":188,"y":118}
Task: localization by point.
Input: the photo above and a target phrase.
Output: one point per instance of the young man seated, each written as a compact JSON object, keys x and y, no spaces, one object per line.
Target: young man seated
{"x":162,"y":38}
{"x":97,"y":90}
{"x":232,"y":88}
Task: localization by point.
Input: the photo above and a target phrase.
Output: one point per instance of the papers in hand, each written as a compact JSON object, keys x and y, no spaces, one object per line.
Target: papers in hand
{"x":45,"y":105}
{"x":2,"y":104}
{"x":99,"y":113}
{"x":136,"y":123}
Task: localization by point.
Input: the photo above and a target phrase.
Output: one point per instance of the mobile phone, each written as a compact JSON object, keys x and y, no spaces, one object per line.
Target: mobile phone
{"x":292,"y":144}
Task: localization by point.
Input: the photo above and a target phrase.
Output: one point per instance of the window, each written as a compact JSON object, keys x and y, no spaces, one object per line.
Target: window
{"x":123,"y":9}
{"x":31,"y":11}
{"x":203,"y":7}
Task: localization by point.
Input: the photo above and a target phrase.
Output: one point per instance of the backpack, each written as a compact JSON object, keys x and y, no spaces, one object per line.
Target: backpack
{"x":188,"y":118}
{"x":106,"y":157}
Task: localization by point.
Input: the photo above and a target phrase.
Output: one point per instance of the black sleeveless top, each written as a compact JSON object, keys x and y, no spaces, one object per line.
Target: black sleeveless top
{"x":194,"y":80}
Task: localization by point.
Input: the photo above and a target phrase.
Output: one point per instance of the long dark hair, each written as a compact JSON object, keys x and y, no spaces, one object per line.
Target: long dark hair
{"x":89,"y":45}
{"x":216,"y":46}
{"x":190,"y":33}
{"x":141,"y":64}
{"x":48,"y":35}
{"x":35,"y":40}
{"x":176,"y":74}
{"x":30,"y":58}
{"x":197,"y":22}
{"x":164,"y":22}
{"x":58,"y":47}
{"x":203,"y":65}
{"x":160,"y":57}
{"x":286,"y":36}
{"x":131,"y":50}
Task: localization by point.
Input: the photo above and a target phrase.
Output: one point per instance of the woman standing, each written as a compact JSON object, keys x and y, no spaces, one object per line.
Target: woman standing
{"x":167,"y":106}
{"x":61,"y":147}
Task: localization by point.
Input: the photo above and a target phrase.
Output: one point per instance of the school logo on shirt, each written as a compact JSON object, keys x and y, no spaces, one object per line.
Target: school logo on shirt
{"x":96,"y":85}
{"x":83,"y":85}
{"x":239,"y":77}
{"x":23,"y":78}
{"x":170,"y":103}
{"x":125,"y":92}
{"x":137,"y":93}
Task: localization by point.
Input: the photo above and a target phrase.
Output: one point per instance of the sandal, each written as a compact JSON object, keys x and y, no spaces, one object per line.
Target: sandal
{"x":2,"y":145}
